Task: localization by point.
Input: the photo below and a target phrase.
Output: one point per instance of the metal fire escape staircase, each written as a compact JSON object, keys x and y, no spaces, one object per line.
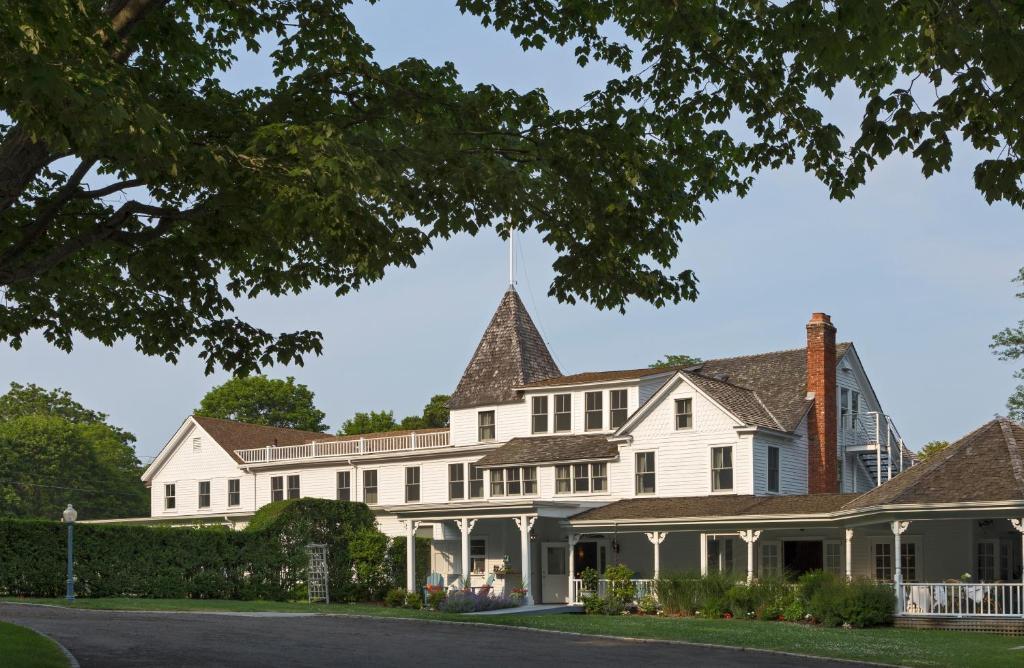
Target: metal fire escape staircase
{"x":876,"y":443}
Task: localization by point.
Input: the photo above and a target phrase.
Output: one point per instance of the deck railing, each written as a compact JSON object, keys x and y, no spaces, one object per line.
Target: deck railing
{"x":346,"y":447}
{"x":643,"y":588}
{"x":963,"y":599}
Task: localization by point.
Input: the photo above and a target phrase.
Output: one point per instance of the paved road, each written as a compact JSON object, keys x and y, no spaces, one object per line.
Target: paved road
{"x":110,"y":639}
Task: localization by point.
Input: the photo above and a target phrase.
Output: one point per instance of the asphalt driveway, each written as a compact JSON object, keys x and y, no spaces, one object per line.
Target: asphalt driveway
{"x":112,"y":638}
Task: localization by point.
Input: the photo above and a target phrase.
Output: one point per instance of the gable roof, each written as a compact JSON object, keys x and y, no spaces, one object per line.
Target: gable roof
{"x":511,"y":353}
{"x":549,"y":449}
{"x":985,"y":465}
{"x":233,"y":436}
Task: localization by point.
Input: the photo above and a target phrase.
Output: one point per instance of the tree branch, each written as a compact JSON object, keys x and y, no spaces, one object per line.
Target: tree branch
{"x":108,"y":190}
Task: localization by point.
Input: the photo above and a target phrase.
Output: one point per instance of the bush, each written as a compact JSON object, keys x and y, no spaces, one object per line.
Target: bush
{"x":413,"y":600}
{"x":687,"y":593}
{"x":832,"y":601}
{"x":395,"y":598}
{"x":589,"y":579}
{"x":468,"y":601}
{"x":594,"y":604}
{"x":436,"y":598}
{"x":648,"y":605}
{"x":621,"y":590}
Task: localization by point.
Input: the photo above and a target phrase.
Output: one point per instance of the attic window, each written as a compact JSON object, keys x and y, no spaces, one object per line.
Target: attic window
{"x":485,"y":426}
{"x":197,"y":444}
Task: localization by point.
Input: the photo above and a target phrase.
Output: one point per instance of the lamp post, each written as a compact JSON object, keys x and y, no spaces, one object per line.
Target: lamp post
{"x":70,"y":515}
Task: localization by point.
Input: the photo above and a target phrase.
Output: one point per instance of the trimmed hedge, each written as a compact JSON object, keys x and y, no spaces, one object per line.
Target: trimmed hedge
{"x":265,"y":561}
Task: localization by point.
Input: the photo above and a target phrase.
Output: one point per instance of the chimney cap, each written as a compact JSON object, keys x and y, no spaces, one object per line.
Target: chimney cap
{"x":820,"y":318}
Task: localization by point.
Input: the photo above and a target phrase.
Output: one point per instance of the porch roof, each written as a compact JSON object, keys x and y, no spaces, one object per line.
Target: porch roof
{"x":548,"y":449}
{"x":716,"y":506}
{"x":482,"y":509}
{"x":985,"y":465}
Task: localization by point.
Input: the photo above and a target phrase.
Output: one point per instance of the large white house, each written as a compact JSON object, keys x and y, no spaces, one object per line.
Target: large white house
{"x":780,"y":461}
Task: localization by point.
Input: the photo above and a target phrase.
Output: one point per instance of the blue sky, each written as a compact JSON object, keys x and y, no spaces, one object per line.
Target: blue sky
{"x":916,"y":272}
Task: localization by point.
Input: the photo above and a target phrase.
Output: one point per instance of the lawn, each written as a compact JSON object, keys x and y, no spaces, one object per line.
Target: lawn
{"x":25,"y":648}
{"x":883,"y":645}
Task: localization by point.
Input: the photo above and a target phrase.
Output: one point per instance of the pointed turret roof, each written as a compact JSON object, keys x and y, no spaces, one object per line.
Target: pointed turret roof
{"x":510,"y":354}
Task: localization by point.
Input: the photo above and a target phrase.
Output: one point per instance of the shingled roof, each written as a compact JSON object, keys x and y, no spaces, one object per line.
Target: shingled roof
{"x":234,"y":436}
{"x":548,"y":449}
{"x":511,"y":353}
{"x":985,"y":465}
{"x":734,"y":505}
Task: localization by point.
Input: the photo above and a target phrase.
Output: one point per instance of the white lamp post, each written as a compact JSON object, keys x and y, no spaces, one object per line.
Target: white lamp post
{"x":70,"y":515}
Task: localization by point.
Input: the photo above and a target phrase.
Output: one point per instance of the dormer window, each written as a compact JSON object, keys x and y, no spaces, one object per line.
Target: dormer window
{"x":684,"y":413}
{"x":563,"y":412}
{"x":540,"y":415}
{"x":619,"y":412}
{"x":485,"y":426}
{"x":594,"y":417}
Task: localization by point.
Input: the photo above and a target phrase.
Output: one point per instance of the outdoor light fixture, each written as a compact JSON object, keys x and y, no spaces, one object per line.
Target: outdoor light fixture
{"x":70,"y":515}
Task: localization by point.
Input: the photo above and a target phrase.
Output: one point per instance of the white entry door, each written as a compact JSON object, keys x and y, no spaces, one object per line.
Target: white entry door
{"x":555,"y":572}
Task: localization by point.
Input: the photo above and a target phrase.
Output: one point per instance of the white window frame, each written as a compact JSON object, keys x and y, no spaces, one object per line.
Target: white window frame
{"x":512,"y":481}
{"x":622,"y":411}
{"x":238,"y":492}
{"x":409,"y":486}
{"x":567,"y":397}
{"x":908,"y":575}
{"x":482,"y":480}
{"x":992,"y":544}
{"x":481,"y":426}
{"x":347,"y":476}
{"x":200,"y":495}
{"x":461,"y":468}
{"x":687,"y":415}
{"x":298,"y":486}
{"x":567,"y":478}
{"x":836,"y":547}
{"x":768,"y":469}
{"x":653,"y":472}
{"x":765,"y":566}
{"x":274,"y":493}
{"x":588,"y":411}
{"x":544,"y":414}
{"x":375,"y":487}
{"x":478,"y":558}
{"x":171,"y":496}
{"x":731,"y":468}
{"x":497,"y":482}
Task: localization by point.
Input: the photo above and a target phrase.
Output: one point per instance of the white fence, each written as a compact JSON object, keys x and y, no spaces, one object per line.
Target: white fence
{"x":346,"y":447}
{"x":643,"y":588}
{"x":963,"y":599}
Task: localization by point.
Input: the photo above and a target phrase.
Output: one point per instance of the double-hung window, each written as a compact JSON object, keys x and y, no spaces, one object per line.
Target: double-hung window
{"x":514,"y":481}
{"x":594,"y":414}
{"x":563,"y":479}
{"x":456,"y":481}
{"x":412,"y":484}
{"x":773,"y":468}
{"x":204,"y":493}
{"x":769,"y":558}
{"x":513,"y":484}
{"x":497,"y":482}
{"x":618,"y":410}
{"x":370,"y":487}
{"x":169,"y":496}
{"x":234,"y":492}
{"x":539,"y":423}
{"x":477,"y":556}
{"x":721,"y":468}
{"x":293,"y":487}
{"x":277,"y":488}
{"x":529,"y":480}
{"x":684,"y":413}
{"x":344,"y":485}
{"x":599,"y":477}
{"x":986,"y":569}
{"x":485,"y":426}
{"x":563,"y":412}
{"x":645,"y":473}
{"x":581,"y":478}
{"x":476,"y":482}
{"x":881,"y":553}
{"x":833,"y":557}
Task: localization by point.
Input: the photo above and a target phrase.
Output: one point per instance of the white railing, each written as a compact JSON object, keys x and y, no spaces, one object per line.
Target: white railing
{"x":963,"y":599}
{"x":642,"y":588}
{"x":347,"y":447}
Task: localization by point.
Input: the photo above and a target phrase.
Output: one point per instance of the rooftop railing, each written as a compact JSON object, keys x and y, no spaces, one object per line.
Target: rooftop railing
{"x":346,"y":447}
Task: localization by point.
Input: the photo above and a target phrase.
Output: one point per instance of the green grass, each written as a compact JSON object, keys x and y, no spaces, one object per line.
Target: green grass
{"x":27,"y":649}
{"x":883,"y":645}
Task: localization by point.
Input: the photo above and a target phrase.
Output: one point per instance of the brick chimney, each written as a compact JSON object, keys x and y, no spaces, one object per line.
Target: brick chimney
{"x":821,"y":423}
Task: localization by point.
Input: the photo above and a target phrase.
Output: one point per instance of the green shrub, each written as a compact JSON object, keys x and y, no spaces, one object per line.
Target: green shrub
{"x":794,"y":611}
{"x":621,"y":590}
{"x":594,"y":604}
{"x":648,"y":605}
{"x":436,"y":598}
{"x":687,"y":593}
{"x":810,"y":583}
{"x":868,"y":603}
{"x":589,"y":578}
{"x":413,"y":600}
{"x":713,"y":608}
{"x":395,"y":598}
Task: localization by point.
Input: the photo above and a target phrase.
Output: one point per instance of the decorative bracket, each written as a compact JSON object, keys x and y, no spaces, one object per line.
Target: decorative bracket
{"x":462,"y":525}
{"x":656,"y":537}
{"x":849,"y":535}
{"x":573,"y":539}
{"x":529,"y":522}
{"x":898,"y":527}
{"x":1018,"y":524}
{"x":414,"y":524}
{"x":750,"y":535}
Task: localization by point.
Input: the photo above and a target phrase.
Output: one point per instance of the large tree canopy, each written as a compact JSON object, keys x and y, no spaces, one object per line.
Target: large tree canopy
{"x":54,"y":451}
{"x":140,"y":197}
{"x":262,"y":400}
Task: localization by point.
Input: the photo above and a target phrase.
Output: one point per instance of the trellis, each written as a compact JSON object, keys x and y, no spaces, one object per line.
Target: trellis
{"x":316,"y":577}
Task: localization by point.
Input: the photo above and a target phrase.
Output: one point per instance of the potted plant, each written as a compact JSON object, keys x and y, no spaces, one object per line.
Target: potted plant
{"x":518,"y":595}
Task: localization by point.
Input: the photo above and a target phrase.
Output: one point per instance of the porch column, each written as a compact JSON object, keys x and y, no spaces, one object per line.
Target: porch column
{"x":573,"y":539}
{"x":657,"y":538}
{"x":750,"y":537}
{"x":849,"y":554}
{"x":1018,"y":524}
{"x":897,"y":568}
{"x":410,"y":555}
{"x":703,"y":554}
{"x":465,"y":527}
{"x":525,"y":523}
